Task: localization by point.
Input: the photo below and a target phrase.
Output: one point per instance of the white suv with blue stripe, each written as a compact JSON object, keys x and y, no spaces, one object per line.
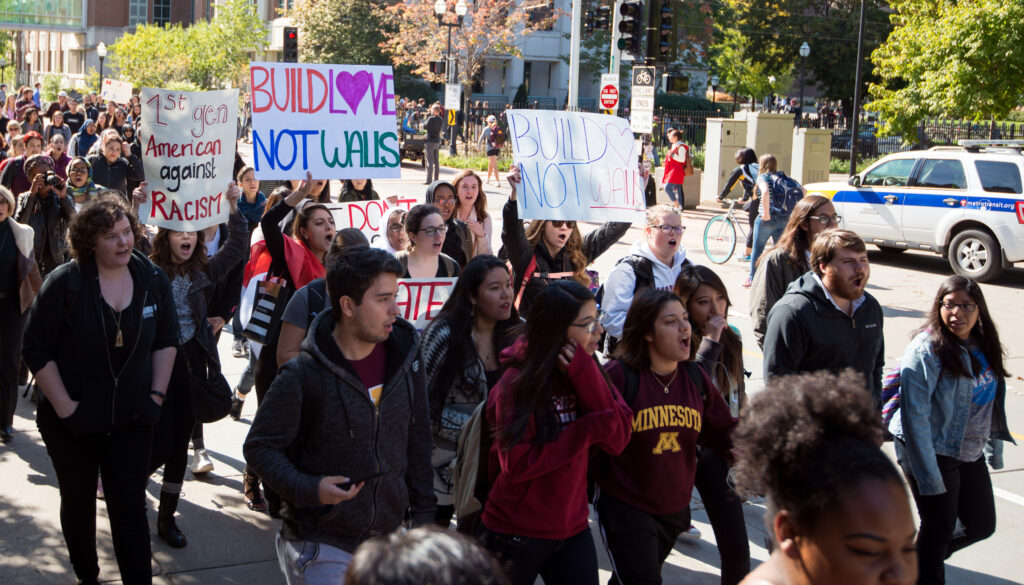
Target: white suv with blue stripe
{"x":964,"y":202}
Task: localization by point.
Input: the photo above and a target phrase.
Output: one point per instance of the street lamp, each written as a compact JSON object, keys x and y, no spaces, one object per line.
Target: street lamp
{"x":101,"y":52}
{"x":3,"y":70}
{"x":714,"y":89}
{"x":440,"y":9}
{"x":771,"y":92}
{"x":28,"y":61}
{"x":805,"y":50}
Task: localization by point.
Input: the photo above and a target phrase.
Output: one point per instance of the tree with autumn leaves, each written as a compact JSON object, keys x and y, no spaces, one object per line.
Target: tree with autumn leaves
{"x":491,"y":28}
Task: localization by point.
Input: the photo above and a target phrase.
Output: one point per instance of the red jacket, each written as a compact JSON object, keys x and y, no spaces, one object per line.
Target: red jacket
{"x":540,"y":490}
{"x":675,"y":171}
{"x":655,"y":472}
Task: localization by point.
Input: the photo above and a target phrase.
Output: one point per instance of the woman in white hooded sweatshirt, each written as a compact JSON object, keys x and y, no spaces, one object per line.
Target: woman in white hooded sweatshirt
{"x":653,"y":261}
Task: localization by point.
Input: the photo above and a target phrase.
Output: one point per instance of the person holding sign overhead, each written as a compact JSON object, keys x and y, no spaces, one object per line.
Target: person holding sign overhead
{"x":424,"y":258}
{"x":550,"y":250}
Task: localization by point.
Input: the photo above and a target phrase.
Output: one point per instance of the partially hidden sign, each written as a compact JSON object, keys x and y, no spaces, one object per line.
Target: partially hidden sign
{"x":336,"y":121}
{"x":421,"y":299}
{"x":188,"y":154}
{"x":119,"y":92}
{"x":576,"y":166}
{"x":368,"y":217}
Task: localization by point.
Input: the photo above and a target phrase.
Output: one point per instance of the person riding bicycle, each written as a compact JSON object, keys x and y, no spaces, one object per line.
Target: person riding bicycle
{"x":746,"y":173}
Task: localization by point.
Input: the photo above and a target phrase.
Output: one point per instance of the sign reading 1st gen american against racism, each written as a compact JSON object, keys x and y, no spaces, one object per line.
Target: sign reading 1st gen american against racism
{"x":188,"y":154}
{"x":575,"y":166}
{"x":336,"y":121}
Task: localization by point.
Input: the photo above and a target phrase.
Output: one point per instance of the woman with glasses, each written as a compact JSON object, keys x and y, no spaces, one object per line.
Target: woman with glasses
{"x":549,"y":250}
{"x":789,"y":258}
{"x":458,"y":242}
{"x":653,"y":261}
{"x":424,"y":258}
{"x":395,"y":240}
{"x":951,"y":404}
{"x":552,"y":406}
{"x":80,"y":184}
{"x":675,"y":407}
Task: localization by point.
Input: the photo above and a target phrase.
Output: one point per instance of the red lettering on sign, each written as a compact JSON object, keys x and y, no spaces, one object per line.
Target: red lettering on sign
{"x":1020,"y":212}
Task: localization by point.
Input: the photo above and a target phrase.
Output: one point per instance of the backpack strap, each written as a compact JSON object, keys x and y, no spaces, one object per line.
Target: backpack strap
{"x":527,"y":275}
{"x":317,"y":289}
{"x":449,"y":266}
{"x":632,"y":385}
{"x":696,"y":374}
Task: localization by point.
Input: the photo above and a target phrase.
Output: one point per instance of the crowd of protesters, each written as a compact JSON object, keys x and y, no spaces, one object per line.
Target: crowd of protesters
{"x":531,"y":399}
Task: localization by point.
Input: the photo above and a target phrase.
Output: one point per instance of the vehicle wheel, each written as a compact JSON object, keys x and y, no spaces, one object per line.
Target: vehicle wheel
{"x":976,"y":254}
{"x":891,"y":249}
{"x":719,"y":239}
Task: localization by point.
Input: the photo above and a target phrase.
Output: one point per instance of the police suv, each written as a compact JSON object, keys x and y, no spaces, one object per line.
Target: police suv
{"x":964,"y":202}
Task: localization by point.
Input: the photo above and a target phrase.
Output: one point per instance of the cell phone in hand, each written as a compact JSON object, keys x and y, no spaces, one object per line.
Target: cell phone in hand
{"x":358,"y":479}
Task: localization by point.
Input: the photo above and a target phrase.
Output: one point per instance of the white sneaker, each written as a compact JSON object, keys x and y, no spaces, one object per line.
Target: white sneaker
{"x":201,"y":462}
{"x":690,"y":533}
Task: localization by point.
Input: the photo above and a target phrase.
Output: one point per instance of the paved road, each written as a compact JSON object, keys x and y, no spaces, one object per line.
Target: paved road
{"x":230,"y":544}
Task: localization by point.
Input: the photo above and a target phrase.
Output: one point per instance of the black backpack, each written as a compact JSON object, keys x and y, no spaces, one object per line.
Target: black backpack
{"x":643,"y":268}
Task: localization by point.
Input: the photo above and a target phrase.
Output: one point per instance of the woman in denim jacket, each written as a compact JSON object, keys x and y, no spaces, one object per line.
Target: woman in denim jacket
{"x":952,"y":403}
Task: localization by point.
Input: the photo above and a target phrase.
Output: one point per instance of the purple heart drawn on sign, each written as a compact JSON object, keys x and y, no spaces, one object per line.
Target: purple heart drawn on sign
{"x":617,"y":134}
{"x":353,"y":87}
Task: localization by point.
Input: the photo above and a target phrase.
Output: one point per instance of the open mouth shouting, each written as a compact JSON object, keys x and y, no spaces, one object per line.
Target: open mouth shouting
{"x":684,"y":344}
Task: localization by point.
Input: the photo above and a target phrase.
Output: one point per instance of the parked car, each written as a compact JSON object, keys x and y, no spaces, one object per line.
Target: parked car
{"x":867,"y":142}
{"x":964,"y":202}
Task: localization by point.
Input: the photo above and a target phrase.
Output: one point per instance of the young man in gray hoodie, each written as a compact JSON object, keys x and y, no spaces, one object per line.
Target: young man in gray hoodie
{"x":352,"y":407}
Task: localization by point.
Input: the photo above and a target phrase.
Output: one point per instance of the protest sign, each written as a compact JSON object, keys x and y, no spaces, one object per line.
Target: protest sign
{"x":119,"y":92}
{"x":336,"y":121}
{"x":421,"y":299}
{"x":368,"y":217}
{"x":188,"y":153}
{"x":575,"y":166}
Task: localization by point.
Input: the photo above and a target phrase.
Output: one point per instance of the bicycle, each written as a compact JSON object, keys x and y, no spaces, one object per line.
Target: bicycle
{"x":720,"y":235}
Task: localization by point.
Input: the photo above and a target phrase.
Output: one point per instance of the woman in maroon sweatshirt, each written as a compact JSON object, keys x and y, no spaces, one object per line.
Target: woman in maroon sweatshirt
{"x":552,"y":404}
{"x":673,"y":412}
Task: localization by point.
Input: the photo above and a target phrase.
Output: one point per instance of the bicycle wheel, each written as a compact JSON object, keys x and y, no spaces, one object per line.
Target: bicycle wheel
{"x":719,"y":239}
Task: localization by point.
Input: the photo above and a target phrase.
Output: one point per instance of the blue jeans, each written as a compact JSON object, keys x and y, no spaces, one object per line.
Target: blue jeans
{"x":674,"y":191}
{"x":311,"y":563}
{"x":763,"y":230}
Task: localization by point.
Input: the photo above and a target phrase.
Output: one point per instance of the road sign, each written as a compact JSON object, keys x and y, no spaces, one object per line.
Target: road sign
{"x":452,"y":96}
{"x":641,"y":106}
{"x":609,"y":91}
{"x":452,"y":116}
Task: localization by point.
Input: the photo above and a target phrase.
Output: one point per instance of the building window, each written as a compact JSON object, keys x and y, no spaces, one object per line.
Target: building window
{"x":284,"y":6}
{"x":162,"y":12}
{"x":541,"y":12}
{"x":138,"y":12}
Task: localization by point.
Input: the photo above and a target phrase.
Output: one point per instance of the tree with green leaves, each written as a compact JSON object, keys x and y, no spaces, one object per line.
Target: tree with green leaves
{"x":340,"y":31}
{"x":740,"y":75}
{"x":207,"y":55}
{"x":949,"y":59}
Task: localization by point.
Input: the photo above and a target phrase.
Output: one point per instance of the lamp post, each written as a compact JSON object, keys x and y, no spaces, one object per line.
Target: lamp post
{"x":714,"y":89}
{"x":771,"y":92}
{"x":28,"y":61}
{"x":101,"y":52}
{"x":3,"y":70}
{"x":805,"y":50}
{"x":440,"y":9}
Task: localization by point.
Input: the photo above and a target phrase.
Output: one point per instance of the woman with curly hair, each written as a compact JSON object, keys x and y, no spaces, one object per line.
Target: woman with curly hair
{"x":100,"y":339}
{"x":550,"y":250}
{"x":952,"y":403}
{"x":193,"y":276}
{"x":838,"y":513}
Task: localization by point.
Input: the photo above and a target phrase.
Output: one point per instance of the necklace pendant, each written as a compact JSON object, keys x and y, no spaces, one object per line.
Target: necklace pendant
{"x":666,"y":390}
{"x":119,"y":339}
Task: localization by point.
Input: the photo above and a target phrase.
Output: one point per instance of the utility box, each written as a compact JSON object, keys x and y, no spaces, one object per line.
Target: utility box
{"x":771,"y":134}
{"x":723,"y":138}
{"x":812,"y":152}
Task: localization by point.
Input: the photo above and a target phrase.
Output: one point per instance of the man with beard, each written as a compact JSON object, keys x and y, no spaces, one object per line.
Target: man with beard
{"x":344,"y":433}
{"x":826,"y":320}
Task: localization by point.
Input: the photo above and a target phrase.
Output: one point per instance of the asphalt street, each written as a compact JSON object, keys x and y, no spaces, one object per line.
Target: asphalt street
{"x":230,"y":544}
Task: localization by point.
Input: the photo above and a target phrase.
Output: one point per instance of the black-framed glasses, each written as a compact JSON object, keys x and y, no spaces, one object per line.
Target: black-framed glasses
{"x":827,"y":219}
{"x":397,"y":227}
{"x":444,"y":201}
{"x":671,"y":229}
{"x":590,"y":326}
{"x":77,"y":170}
{"x":965,"y":307}
{"x":559,"y":223}
{"x":434,"y":231}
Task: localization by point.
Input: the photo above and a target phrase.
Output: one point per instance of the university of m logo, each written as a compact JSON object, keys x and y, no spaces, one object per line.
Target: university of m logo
{"x":669,"y":441}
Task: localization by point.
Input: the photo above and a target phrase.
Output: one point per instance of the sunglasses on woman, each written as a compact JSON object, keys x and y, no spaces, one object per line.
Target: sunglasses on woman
{"x":559,"y":223}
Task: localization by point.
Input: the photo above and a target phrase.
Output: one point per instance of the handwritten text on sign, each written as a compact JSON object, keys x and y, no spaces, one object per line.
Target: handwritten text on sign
{"x":368,"y":217}
{"x":337,"y":121}
{"x":421,"y":299}
{"x":575,"y":166}
{"x":188,"y":153}
{"x":119,"y":92}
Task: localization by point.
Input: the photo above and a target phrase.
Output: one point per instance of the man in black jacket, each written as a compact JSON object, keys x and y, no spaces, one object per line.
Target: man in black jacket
{"x":352,"y":407}
{"x":826,"y":320}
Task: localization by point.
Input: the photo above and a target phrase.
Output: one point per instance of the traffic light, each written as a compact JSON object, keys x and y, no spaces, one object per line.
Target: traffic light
{"x":290,"y":54}
{"x":439,"y":67}
{"x":604,"y":17}
{"x":631,"y":27}
{"x":662,"y":44}
{"x":588,"y":21}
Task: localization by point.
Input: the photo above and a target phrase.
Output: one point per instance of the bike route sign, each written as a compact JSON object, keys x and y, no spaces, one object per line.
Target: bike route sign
{"x":641,"y":107}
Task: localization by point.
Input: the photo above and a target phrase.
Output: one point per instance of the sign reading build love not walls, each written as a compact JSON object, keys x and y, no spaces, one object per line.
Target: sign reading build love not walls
{"x":576,"y":166}
{"x":188,"y":153}
{"x":336,"y":121}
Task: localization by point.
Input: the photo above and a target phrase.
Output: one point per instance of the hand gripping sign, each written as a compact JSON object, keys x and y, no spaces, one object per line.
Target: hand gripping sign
{"x":337,"y":121}
{"x":188,"y":154}
{"x":576,"y":166}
